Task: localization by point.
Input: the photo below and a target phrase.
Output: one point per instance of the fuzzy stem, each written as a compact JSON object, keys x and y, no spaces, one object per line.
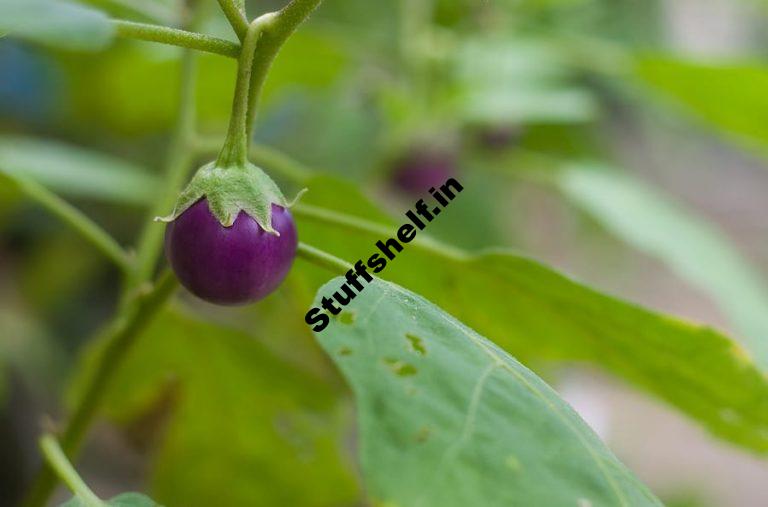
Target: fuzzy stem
{"x":273,"y":37}
{"x":322,"y":259}
{"x":175,"y":37}
{"x":234,"y":153}
{"x":58,"y":461}
{"x":73,"y":217}
{"x":266,"y":157}
{"x":233,"y":10}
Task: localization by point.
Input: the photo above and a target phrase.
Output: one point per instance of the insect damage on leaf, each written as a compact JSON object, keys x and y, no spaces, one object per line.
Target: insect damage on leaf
{"x":456,"y":426}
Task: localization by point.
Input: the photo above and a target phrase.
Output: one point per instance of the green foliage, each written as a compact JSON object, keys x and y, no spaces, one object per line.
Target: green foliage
{"x":447,"y":418}
{"x":650,"y":221}
{"x":528,"y":80}
{"x":75,"y":171}
{"x":57,"y":23}
{"x":134,"y":90}
{"x":730,"y":96}
{"x":536,"y":313}
{"x":123,"y":500}
{"x":241,"y":426}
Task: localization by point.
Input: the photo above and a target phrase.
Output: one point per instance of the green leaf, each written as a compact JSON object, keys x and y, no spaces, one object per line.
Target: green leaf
{"x":447,"y":418}
{"x":730,"y":96}
{"x":165,"y":12}
{"x":535,"y":313}
{"x":239,"y":424}
{"x":138,"y":84}
{"x":76,"y":172}
{"x":123,"y":500}
{"x":57,"y":23}
{"x":652,"y":222}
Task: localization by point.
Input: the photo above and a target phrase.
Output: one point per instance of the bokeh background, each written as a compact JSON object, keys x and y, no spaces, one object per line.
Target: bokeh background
{"x":622,"y":142}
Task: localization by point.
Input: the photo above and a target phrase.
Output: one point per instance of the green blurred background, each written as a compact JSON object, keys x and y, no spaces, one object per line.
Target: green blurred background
{"x":621,"y":141}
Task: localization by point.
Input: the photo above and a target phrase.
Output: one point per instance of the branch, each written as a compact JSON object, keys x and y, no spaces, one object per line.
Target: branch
{"x":144,"y":307}
{"x":355,"y":224}
{"x":272,"y":39}
{"x":322,"y":259}
{"x":235,"y":149}
{"x":58,"y":461}
{"x":176,"y":37}
{"x":266,"y":157}
{"x":235,"y":16}
{"x":179,"y":160}
{"x":73,"y":217}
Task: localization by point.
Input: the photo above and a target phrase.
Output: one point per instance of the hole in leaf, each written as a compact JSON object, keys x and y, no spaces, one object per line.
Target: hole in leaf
{"x":423,"y":434}
{"x":346,"y":317}
{"x":345,"y":351}
{"x":417,"y":344}
{"x":400,"y":368}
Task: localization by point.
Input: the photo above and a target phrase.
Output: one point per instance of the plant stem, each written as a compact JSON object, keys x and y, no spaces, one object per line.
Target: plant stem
{"x":138,"y":306}
{"x":234,"y":13}
{"x":143,"y":307}
{"x":235,"y":149}
{"x":356,"y":224}
{"x":272,"y":39}
{"x":73,"y":217}
{"x":322,"y":259}
{"x":266,"y":157}
{"x":58,"y":461}
{"x":175,"y":37}
{"x":180,"y":158}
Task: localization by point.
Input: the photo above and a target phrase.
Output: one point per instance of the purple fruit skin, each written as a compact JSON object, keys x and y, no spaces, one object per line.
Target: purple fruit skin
{"x":421,"y":170}
{"x":230,"y":265}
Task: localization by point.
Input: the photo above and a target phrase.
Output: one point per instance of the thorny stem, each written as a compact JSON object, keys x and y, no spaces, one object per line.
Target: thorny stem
{"x":176,"y":37}
{"x":272,"y":39}
{"x":58,"y":461}
{"x":235,"y":149}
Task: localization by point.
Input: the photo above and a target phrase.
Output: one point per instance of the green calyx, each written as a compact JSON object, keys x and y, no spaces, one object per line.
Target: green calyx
{"x":231,"y":184}
{"x":230,"y":190}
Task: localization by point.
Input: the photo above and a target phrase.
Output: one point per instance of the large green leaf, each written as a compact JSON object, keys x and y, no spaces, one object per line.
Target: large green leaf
{"x":536,"y":313}
{"x":122,"y":500}
{"x":729,"y":96}
{"x":650,"y":221}
{"x":243,"y":425}
{"x":57,"y":23}
{"x":447,"y":418}
{"x":73,"y":171}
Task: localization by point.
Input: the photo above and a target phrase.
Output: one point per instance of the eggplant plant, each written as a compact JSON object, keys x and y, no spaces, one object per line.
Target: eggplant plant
{"x":430,"y":387}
